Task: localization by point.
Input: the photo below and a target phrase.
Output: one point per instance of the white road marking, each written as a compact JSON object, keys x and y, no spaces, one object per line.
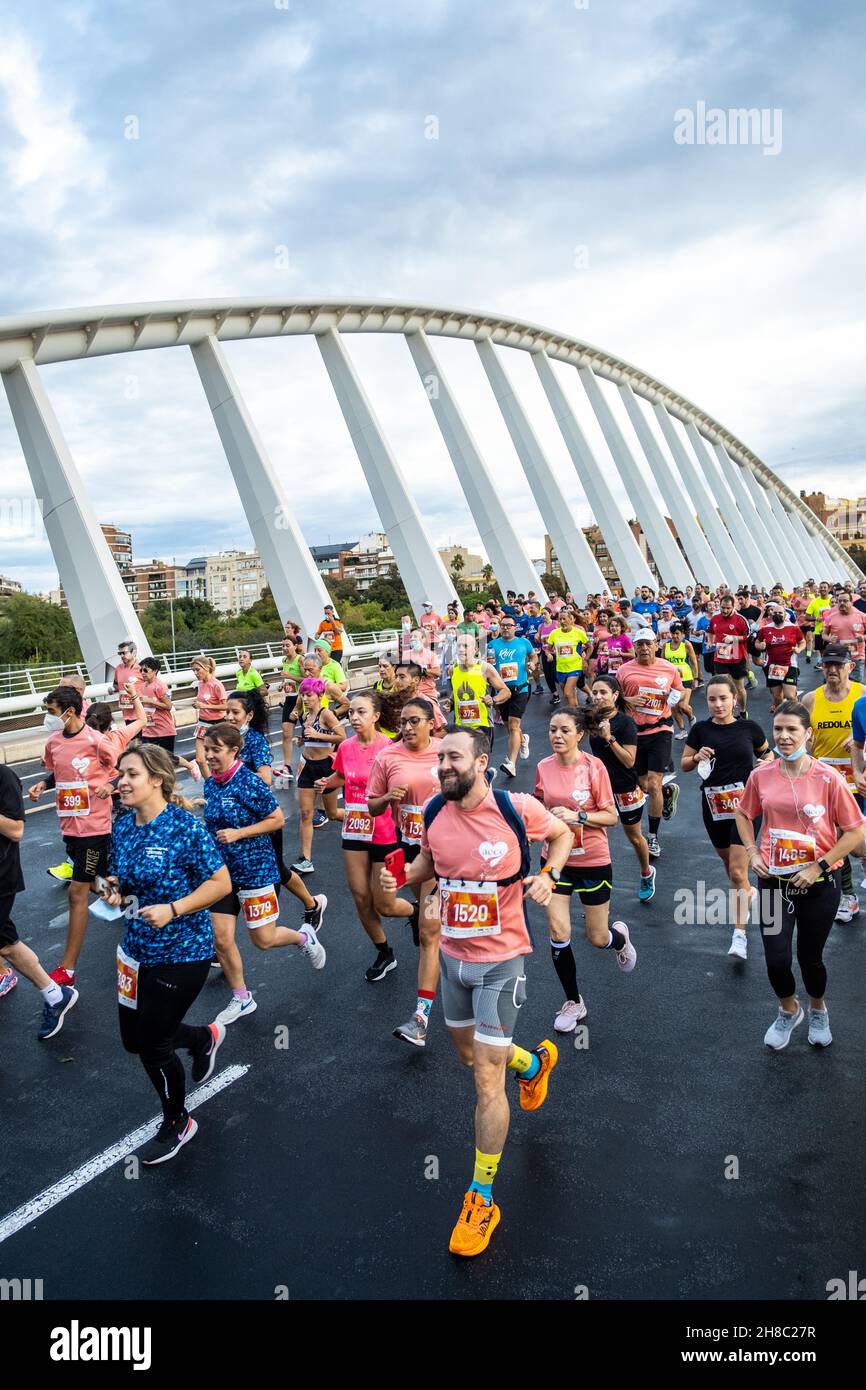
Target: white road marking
{"x":94,"y":1167}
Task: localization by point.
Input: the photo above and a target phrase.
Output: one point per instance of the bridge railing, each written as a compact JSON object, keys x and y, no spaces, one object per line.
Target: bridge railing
{"x":23,"y":690}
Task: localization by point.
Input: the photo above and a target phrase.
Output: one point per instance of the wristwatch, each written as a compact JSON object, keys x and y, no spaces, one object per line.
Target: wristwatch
{"x":823,"y":866}
{"x":581,"y":817}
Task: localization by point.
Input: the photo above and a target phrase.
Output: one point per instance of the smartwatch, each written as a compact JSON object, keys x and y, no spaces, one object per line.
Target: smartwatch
{"x":581,"y":817}
{"x":823,"y":866}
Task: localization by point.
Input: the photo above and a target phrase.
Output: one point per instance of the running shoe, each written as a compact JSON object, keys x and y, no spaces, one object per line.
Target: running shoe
{"x":62,"y":976}
{"x":169,"y":1140}
{"x":647,"y":887}
{"x":284,"y":772}
{"x":555,"y":699}
{"x":476,"y":1224}
{"x":683,"y":733}
{"x":314,"y":916}
{"x":570,"y":1015}
{"x":508,"y":766}
{"x":752,"y":679}
{"x":808,"y":661}
{"x":670,"y":798}
{"x":524,"y":745}
{"x":8,"y":983}
{"x":778,"y":1035}
{"x":819,"y":1028}
{"x":669,"y":775}
{"x":203,"y":1061}
{"x":235,"y":1009}
{"x":739,"y":946}
{"x":62,"y":872}
{"x":533,"y":1093}
{"x":382,"y":965}
{"x":653,"y":846}
{"x":626,"y":956}
{"x":538,"y":690}
{"x":216,"y":964}
{"x":319,"y":819}
{"x":843,"y":911}
{"x":414,"y":1032}
{"x":312,"y":949}
{"x":53,"y":1014}
{"x":851,"y":904}
{"x":304,"y":866}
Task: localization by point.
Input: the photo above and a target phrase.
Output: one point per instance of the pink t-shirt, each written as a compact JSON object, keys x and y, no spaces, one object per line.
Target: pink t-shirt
{"x":848,"y":629}
{"x":354,"y":761}
{"x":160,"y":721}
{"x":652,"y":684}
{"x":474,"y":847}
{"x":581,"y":786}
{"x":813,"y":807}
{"x":121,"y":676}
{"x":211,"y":692}
{"x":81,"y":765}
{"x":396,"y":766}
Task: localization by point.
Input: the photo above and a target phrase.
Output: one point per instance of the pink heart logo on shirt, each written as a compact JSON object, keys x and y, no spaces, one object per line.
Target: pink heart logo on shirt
{"x":580,"y":796}
{"x":81,"y":765}
{"x":812,"y":811}
{"x":493,"y":853}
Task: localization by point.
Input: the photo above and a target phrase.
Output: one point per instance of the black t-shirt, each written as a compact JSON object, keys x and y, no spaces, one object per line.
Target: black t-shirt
{"x":735,"y":746}
{"x":11,"y":806}
{"x":860,"y":604}
{"x":624,"y":730}
{"x":752,"y":612}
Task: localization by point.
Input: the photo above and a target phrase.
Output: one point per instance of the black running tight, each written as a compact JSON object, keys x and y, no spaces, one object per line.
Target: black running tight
{"x":156,"y":1028}
{"x":782,"y":910}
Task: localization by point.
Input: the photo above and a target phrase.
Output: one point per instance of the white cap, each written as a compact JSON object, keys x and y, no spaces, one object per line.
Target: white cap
{"x":644,"y":634}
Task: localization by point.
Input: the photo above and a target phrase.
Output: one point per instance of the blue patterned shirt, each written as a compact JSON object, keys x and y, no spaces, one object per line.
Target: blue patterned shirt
{"x":241,"y":801}
{"x":255,"y":751}
{"x":166,"y":859}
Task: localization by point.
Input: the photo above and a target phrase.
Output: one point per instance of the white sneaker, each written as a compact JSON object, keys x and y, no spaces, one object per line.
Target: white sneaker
{"x":626,"y":958}
{"x":683,"y":733}
{"x":851,"y":902}
{"x":312,"y":947}
{"x":739,"y":945}
{"x":819,"y":1028}
{"x":778,"y":1035}
{"x":508,"y":766}
{"x":570,"y":1015}
{"x":235,"y":1009}
{"x":843,"y":911}
{"x":524,"y":746}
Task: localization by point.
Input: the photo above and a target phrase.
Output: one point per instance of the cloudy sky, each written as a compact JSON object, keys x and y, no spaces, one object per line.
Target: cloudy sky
{"x":283,"y":151}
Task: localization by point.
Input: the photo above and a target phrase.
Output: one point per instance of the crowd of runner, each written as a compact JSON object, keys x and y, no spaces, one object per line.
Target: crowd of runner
{"x":432,"y":849}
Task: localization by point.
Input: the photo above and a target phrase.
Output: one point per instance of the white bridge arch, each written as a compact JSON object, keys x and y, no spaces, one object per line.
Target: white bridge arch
{"x":735,"y":519}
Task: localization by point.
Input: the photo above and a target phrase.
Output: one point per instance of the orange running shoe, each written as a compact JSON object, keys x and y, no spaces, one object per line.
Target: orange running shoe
{"x":533,"y":1093}
{"x":475,"y":1226}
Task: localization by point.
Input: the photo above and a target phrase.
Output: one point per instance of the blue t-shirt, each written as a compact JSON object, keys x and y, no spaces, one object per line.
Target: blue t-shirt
{"x":255,"y":753}
{"x":858,"y":720}
{"x":702,"y":631}
{"x":167,"y":859}
{"x":513,"y":653}
{"x":243,"y":800}
{"x":531,"y":624}
{"x":649,"y":608}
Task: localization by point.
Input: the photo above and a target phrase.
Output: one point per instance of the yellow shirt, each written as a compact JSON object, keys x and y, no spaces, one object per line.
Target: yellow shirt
{"x":818,"y":606}
{"x":468,"y":689}
{"x":569,"y":660}
{"x":831,"y":722}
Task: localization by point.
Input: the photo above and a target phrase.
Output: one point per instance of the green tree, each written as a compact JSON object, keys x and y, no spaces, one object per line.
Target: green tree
{"x":458,"y":564}
{"x":34,"y":633}
{"x":553,"y":584}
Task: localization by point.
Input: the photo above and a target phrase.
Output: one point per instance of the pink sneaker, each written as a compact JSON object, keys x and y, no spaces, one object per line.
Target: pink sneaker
{"x":570,"y":1015}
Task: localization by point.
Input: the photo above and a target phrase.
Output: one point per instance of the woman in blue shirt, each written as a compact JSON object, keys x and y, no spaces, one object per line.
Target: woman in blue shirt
{"x":166,"y":873}
{"x":241,"y":813}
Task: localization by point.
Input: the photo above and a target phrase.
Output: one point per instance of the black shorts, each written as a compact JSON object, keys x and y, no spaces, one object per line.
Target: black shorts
{"x":709,"y":661}
{"x":410,"y":852}
{"x":312,"y":771}
{"x":288,"y":708}
{"x":721,"y":833}
{"x":632,"y":816}
{"x":165,"y":741}
{"x":230,"y":905}
{"x":515,"y":708}
{"x":376,"y":852}
{"x":820,"y":642}
{"x":8,"y":933}
{"x":89,"y":855}
{"x":736,"y":669}
{"x":653,"y":752}
{"x":591,"y":885}
{"x":790,"y":677}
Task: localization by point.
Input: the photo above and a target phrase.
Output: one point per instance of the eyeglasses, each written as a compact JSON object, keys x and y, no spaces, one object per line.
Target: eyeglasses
{"x":411,"y":720}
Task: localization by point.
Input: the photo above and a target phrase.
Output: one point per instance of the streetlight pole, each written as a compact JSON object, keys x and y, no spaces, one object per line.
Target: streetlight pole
{"x":171,"y":609}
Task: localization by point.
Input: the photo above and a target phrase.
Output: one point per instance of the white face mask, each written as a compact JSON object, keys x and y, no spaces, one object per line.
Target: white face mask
{"x":53,"y":723}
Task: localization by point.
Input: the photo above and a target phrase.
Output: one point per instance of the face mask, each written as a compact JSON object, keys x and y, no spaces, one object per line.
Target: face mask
{"x":777,"y":619}
{"x":415,"y":646}
{"x":791,"y":757}
{"x":52,"y":723}
{"x":705,"y":767}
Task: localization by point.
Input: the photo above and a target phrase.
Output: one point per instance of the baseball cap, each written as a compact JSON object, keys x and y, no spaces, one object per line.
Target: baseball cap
{"x":644,"y":634}
{"x":835,"y":652}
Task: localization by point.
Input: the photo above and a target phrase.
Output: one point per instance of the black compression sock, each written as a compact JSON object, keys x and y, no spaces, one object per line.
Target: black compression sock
{"x":564,"y":965}
{"x":654,"y":823}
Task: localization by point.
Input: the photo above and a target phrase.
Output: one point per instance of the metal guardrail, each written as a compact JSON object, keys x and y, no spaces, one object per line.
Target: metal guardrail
{"x":22,"y":691}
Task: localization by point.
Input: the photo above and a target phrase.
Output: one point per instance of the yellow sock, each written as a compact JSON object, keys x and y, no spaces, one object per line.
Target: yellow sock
{"x":485,"y":1168}
{"x":521,"y":1061}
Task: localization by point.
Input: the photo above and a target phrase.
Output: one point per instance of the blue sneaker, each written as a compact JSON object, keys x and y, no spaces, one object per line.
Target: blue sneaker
{"x":647,"y":887}
{"x":319,"y":819}
{"x":819,"y":1028}
{"x":53,"y":1014}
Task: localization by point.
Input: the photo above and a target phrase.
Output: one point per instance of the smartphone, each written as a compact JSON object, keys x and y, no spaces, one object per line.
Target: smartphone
{"x":395,"y":863}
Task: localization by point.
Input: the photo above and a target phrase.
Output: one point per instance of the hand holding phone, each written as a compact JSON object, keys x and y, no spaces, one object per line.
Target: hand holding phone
{"x":395,"y":864}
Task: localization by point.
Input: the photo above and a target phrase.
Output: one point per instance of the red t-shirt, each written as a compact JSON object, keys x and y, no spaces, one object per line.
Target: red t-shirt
{"x":730,"y":636}
{"x":780,"y":641}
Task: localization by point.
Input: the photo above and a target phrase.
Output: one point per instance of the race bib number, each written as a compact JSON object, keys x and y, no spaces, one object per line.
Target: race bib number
{"x":630,"y":800}
{"x":614,"y":661}
{"x":776,"y":671}
{"x":468,"y":909}
{"x":127,"y":980}
{"x":73,"y":799}
{"x":508,"y":671}
{"x":468,"y":711}
{"x":411,"y":824}
{"x":723,"y":801}
{"x":357,"y":823}
{"x":726,"y":649}
{"x":653,"y":700}
{"x":259,"y":905}
{"x":126,"y":702}
{"x":577,"y":840}
{"x":789,"y":851}
{"x":564,"y":650}
{"x":842,"y":765}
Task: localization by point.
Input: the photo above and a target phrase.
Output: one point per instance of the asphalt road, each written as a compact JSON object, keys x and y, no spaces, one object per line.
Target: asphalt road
{"x":334,"y":1166}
